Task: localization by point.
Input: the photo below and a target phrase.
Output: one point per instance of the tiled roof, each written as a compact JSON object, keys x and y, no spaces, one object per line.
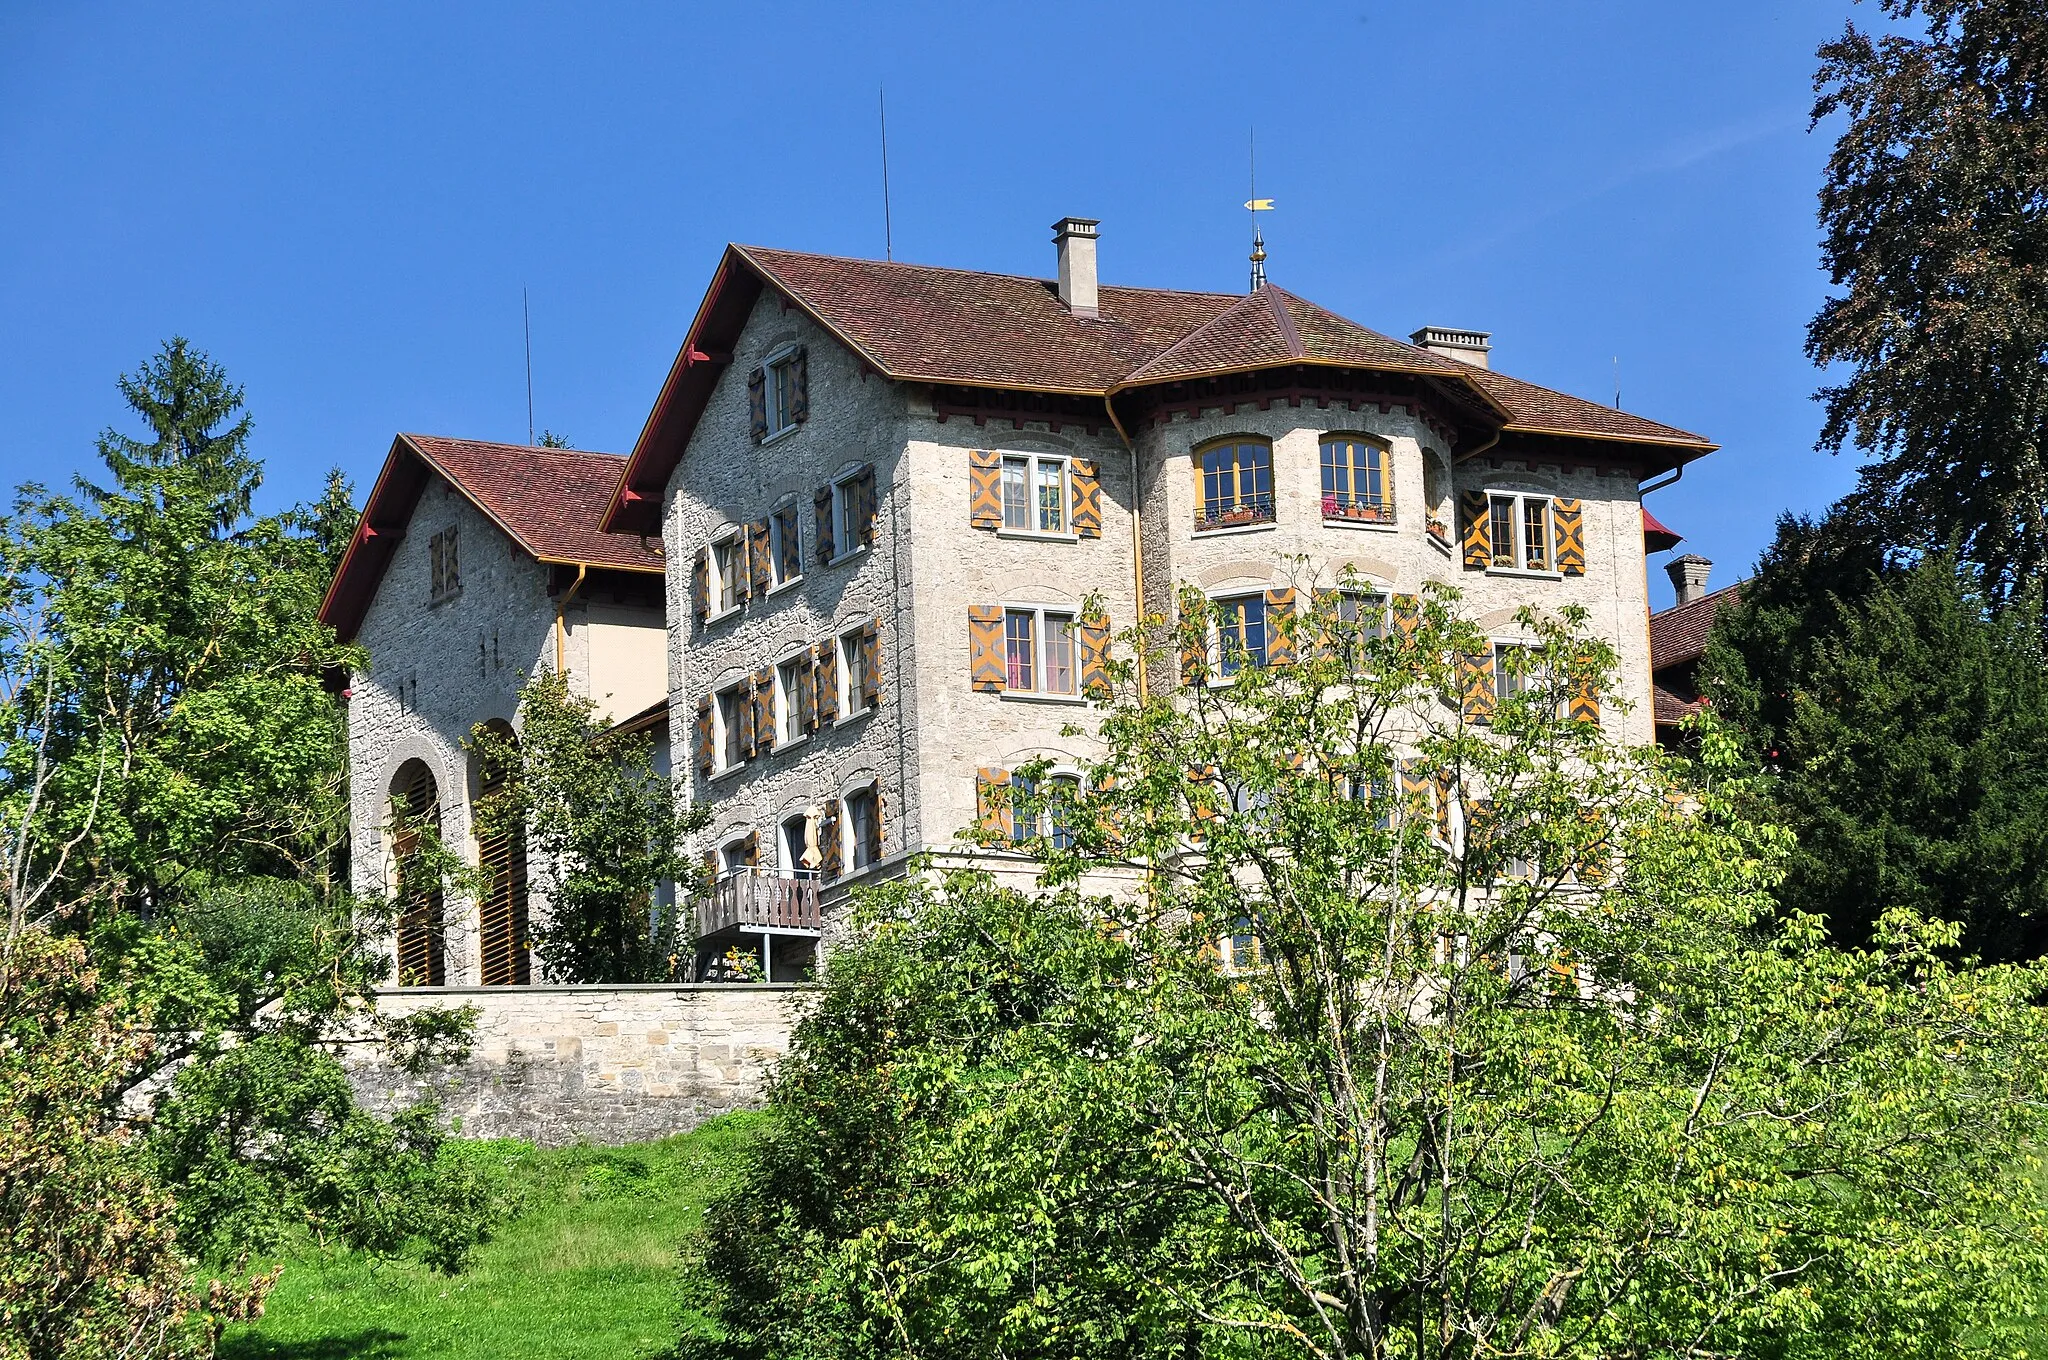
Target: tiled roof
{"x":1679,"y":634}
{"x":549,"y":500}
{"x":1272,"y":326}
{"x":1540,"y":409}
{"x":1669,"y":708}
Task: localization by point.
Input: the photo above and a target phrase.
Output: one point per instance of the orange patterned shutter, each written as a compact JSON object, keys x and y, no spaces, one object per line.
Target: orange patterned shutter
{"x":757,"y":404}
{"x":992,"y":800}
{"x":1407,"y":616}
{"x":821,"y":502}
{"x":757,"y":557}
{"x":1194,"y":642}
{"x":984,"y":489}
{"x":1280,"y":622}
{"x":1473,"y":530}
{"x":1095,"y":656}
{"x":1476,"y":684}
{"x":985,"y":647}
{"x":746,"y":712}
{"x":700,"y":584}
{"x":1568,"y":517}
{"x":800,"y":394}
{"x":874,"y":846}
{"x":1416,"y":791}
{"x":705,"y":752}
{"x":829,"y":851}
{"x":865,"y":506}
{"x":1087,"y":495}
{"x":1585,"y":703}
{"x":807,"y":696}
{"x":870,"y":652}
{"x":764,"y":709}
{"x":827,"y":654}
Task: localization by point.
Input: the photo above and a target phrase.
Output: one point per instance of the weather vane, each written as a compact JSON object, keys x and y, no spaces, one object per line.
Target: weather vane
{"x":1256,"y":205}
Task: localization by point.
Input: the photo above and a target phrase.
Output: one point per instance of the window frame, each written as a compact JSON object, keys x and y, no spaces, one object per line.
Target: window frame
{"x":1519,"y":504}
{"x":1040,"y":617}
{"x":780,"y":535}
{"x":1242,"y":511}
{"x":1034,"y":464}
{"x":1042,"y":824}
{"x":1222,"y":670}
{"x":844,"y":530}
{"x":786,"y":731}
{"x":853,"y":841}
{"x":777,"y":413}
{"x":444,"y":565}
{"x":1373,"y":512}
{"x":725,"y":731}
{"x":846,"y":655}
{"x":736,"y":841}
{"x":728,"y":549}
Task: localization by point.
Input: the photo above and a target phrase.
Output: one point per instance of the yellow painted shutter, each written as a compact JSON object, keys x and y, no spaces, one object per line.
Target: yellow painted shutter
{"x":1476,"y":685}
{"x":758,"y":565}
{"x":827,"y":654}
{"x":992,"y":800}
{"x":985,"y":647}
{"x":764,"y":709}
{"x":1569,"y":518}
{"x":1095,"y":656}
{"x":1087,"y":493}
{"x":1473,"y":531}
{"x":1280,"y":621}
{"x":984,"y":489}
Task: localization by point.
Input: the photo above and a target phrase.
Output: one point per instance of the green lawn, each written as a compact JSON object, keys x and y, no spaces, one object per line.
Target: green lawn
{"x":587,"y":1269}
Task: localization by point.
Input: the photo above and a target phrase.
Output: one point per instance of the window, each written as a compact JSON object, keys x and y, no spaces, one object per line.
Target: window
{"x":846,"y":514}
{"x":728,"y":569}
{"x":791,"y":721}
{"x":1035,"y":493}
{"x":1377,"y":796}
{"x":1355,"y":481}
{"x":736,"y":856}
{"x":1038,"y":651}
{"x":863,"y":831}
{"x":799,"y":856}
{"x":1235,"y":483}
{"x":1363,"y":614}
{"x":1050,"y":815}
{"x":446,"y":573}
{"x":1240,"y":948}
{"x":732,"y":708}
{"x":785,"y":546}
{"x":1511,"y":670}
{"x":1520,"y":529}
{"x":784,"y":381}
{"x":1241,"y":632}
{"x":847,"y":674}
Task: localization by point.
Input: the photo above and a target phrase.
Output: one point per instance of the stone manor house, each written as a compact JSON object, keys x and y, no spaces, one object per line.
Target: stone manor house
{"x":840,"y":575}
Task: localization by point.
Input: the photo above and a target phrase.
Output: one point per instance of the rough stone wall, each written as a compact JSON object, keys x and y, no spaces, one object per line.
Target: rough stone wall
{"x":1299,"y":547}
{"x":724,"y":480}
{"x":960,"y":729}
{"x":556,"y":1065}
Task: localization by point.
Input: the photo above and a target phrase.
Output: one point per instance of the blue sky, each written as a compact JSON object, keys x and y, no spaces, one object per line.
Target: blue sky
{"x":343,"y":203}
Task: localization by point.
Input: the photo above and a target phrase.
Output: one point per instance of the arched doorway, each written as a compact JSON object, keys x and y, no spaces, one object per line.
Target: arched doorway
{"x":507,"y":959}
{"x":422,"y":935}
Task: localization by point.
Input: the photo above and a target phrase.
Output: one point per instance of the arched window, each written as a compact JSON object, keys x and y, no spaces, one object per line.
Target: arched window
{"x":501,"y":858}
{"x":1234,"y":483}
{"x":416,"y":816}
{"x":1358,"y":484}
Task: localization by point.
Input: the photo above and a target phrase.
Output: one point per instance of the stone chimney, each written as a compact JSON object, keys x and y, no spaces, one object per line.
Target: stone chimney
{"x":1470,"y":346}
{"x":1075,"y":237}
{"x":1688,"y":576}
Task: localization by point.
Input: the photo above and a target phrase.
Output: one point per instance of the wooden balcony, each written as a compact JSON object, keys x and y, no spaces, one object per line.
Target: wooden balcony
{"x":753,"y":900}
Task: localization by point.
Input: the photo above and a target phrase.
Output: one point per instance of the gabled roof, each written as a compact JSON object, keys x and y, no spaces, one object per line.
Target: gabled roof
{"x":1679,"y":634}
{"x":919,"y":323}
{"x":548,"y":501}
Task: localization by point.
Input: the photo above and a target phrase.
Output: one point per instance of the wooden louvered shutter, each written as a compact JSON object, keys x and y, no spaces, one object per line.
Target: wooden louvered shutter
{"x":1476,"y":685}
{"x":1406,"y":612}
{"x":1087,"y":496}
{"x":827,"y":653}
{"x":829,"y":852}
{"x":1280,"y":621}
{"x":806,"y":696}
{"x":865,"y":506}
{"x":759,"y":567}
{"x":992,"y":800}
{"x":1584,"y":705}
{"x":764,"y":709}
{"x":706,"y":752}
{"x":422,"y":931}
{"x":800,"y":388}
{"x":1569,"y":519}
{"x":874,"y":845}
{"x":700,"y":583}
{"x":1194,"y":642}
{"x":746,"y":712}
{"x":501,"y":856}
{"x":984,"y":489}
{"x":1095,"y":656}
{"x":822,"y":502}
{"x":757,"y":404}
{"x":1417,"y":790}
{"x":985,"y":668}
{"x":750,"y":850}
{"x":869,"y":651}
{"x":1473,"y":530}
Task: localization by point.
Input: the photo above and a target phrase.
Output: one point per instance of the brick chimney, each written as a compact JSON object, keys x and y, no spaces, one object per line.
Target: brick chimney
{"x":1075,"y":237}
{"x":1471,"y":346}
{"x":1688,"y":576}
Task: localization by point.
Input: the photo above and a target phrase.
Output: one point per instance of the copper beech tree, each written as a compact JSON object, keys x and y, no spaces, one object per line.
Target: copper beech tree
{"x":1378,"y":1003}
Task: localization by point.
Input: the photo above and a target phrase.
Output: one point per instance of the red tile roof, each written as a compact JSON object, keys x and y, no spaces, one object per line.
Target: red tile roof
{"x":920,"y":323}
{"x":1656,"y":536}
{"x":1679,"y":634}
{"x":549,"y":502}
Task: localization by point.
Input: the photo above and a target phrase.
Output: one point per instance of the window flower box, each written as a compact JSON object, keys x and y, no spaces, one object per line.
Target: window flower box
{"x":1355,"y":510}
{"x":1236,"y":515}
{"x":1439,"y":531}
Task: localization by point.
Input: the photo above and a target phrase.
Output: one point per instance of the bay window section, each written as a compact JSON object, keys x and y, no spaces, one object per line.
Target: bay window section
{"x":1235,"y":483}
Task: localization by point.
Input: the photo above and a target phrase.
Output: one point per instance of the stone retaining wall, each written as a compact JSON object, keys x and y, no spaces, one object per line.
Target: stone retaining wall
{"x":608,"y":1064}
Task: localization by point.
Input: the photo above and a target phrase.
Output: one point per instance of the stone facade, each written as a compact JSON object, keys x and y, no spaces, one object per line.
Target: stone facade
{"x":557,"y":1065}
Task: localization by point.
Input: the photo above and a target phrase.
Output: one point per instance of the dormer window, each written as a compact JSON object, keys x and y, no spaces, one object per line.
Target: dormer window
{"x":1234,"y":481}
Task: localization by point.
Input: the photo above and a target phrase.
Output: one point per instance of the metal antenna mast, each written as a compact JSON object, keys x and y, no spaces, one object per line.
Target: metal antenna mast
{"x":526,"y":316}
{"x":888,"y":227}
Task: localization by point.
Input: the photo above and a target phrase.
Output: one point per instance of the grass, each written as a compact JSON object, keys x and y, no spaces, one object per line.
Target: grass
{"x":588,"y":1269}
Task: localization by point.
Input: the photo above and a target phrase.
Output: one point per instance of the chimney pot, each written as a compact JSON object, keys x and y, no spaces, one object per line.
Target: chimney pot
{"x":1473,"y":347}
{"x":1075,"y":237}
{"x":1688,"y":576}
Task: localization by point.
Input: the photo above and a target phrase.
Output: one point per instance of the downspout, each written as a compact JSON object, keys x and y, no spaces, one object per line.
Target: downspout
{"x":561,"y":625}
{"x":1137,"y":529}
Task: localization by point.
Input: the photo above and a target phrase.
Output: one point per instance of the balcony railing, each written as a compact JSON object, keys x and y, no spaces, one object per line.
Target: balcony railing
{"x":752,"y":900}
{"x":1231,"y":514}
{"x":1357,"y":509}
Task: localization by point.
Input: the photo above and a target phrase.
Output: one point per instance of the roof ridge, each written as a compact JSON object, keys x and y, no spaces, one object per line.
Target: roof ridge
{"x":978,"y":273}
{"x":1248,"y":300}
{"x":1283,"y":320}
{"x":545,"y":450}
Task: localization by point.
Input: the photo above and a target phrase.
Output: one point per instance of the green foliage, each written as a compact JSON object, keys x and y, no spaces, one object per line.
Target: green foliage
{"x":602,"y":832}
{"x":1907,"y":730}
{"x":1258,"y":1066}
{"x":1936,"y":235}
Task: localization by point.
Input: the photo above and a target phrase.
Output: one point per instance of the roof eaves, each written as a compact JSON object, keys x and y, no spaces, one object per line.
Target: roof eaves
{"x":455,"y":481}
{"x":768,"y":275}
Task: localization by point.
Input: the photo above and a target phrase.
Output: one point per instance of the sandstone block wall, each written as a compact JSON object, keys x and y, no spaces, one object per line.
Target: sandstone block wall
{"x":556,"y":1065}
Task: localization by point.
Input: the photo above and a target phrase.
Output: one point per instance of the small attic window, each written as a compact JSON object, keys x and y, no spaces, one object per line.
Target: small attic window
{"x":445,"y":571}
